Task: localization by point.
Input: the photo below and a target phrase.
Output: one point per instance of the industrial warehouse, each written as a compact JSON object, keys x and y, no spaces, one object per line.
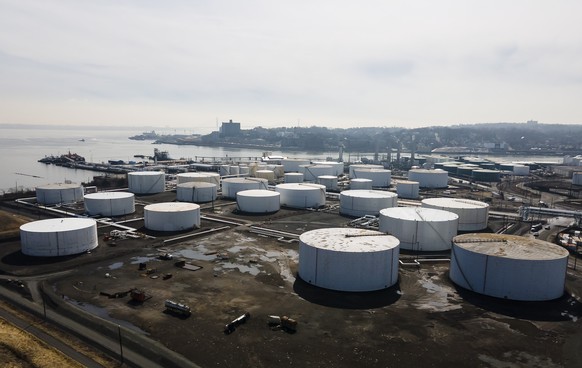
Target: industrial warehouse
{"x":449,"y":263}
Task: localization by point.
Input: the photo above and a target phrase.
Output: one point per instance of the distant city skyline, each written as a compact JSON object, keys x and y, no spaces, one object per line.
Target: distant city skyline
{"x":338,"y":64}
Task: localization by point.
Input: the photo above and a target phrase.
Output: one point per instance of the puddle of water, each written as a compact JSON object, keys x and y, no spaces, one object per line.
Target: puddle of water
{"x":253,"y":270}
{"x":138,"y":260}
{"x":115,"y":266}
{"x":102,"y":312}
{"x":196,"y":254}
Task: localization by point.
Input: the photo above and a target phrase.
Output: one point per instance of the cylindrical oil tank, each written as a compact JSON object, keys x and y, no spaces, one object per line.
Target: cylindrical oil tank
{"x":348,"y":259}
{"x":379,"y":177}
{"x":59,"y":193}
{"x":224,"y":170}
{"x":301,"y":195}
{"x":206,"y":177}
{"x":196,"y":191}
{"x":146,"y":182}
{"x":338,"y":167}
{"x":506,"y":166}
{"x":451,"y":168}
{"x":329,"y":181}
{"x":366,"y":202}
{"x":509,"y":266}
{"x":362,"y":167}
{"x":234,"y":170}
{"x":420,"y":229}
{"x":293,"y":177}
{"x":520,"y":170}
{"x":258,"y":201}
{"x":269,"y":175}
{"x":244,"y":171}
{"x":429,"y":178}
{"x":58,"y":237}
{"x":485,"y":175}
{"x":487,"y":165}
{"x":311,"y":172}
{"x":172,"y":216}
{"x":407,"y":189}
{"x":293,"y":164}
{"x":361,"y":184}
{"x":231,"y":186}
{"x":466,"y":170}
{"x":577,"y":178}
{"x":110,"y":203}
{"x":278,"y":170}
{"x":473,"y":215}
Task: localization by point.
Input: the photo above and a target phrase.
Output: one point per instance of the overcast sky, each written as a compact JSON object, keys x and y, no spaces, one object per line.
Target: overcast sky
{"x":188,"y":63}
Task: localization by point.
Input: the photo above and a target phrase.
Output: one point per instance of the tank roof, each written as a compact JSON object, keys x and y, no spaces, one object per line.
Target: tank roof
{"x":196,"y":184}
{"x":172,"y":207}
{"x":145,"y":173}
{"x":109,"y":195}
{"x":300,"y":186}
{"x":258,"y":193}
{"x":59,"y":186}
{"x":510,"y":246}
{"x":455,"y":203}
{"x":58,"y":225}
{"x":349,"y":240}
{"x":365,"y":193}
{"x":244,"y":180}
{"x":419,"y":214}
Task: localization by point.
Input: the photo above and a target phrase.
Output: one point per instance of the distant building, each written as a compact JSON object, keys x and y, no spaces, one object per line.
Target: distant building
{"x":532,"y":122}
{"x":230,"y":129}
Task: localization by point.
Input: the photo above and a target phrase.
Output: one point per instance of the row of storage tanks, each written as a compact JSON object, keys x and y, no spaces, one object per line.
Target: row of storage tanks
{"x":498,"y":265}
{"x":483,"y":171}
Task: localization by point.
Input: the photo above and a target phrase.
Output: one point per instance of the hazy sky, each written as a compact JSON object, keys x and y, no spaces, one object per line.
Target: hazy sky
{"x":189,"y":63}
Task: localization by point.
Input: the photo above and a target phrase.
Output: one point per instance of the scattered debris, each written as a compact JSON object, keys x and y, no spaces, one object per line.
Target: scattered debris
{"x":167,"y":276}
{"x":187,"y":265}
{"x":230,"y":327}
{"x":139,"y":295}
{"x":282,"y":323}
{"x":166,"y":256}
{"x":178,"y":308}
{"x":116,"y":295}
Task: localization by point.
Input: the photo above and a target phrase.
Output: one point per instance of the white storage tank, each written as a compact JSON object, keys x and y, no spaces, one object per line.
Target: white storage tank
{"x":172,"y":216}
{"x":293,"y":164}
{"x":520,"y":170}
{"x":196,"y":191}
{"x":361,"y":184}
{"x":231,"y":186}
{"x":407,"y":189}
{"x":473,"y":215}
{"x":379,"y":177}
{"x":59,"y":193}
{"x":110,"y":203}
{"x":58,"y":237}
{"x":362,"y":167}
{"x":266,"y":174}
{"x":311,"y":172}
{"x":420,"y":229}
{"x":329,"y":181}
{"x":338,"y":167}
{"x":577,"y":178}
{"x":146,"y":182}
{"x":224,"y":170}
{"x":244,"y":171}
{"x":206,"y":177}
{"x":348,"y":259}
{"x":293,"y":177}
{"x":278,"y":170}
{"x":234,"y":170}
{"x":509,"y":266}
{"x":301,"y":195}
{"x":359,"y":203}
{"x":258,"y":201}
{"x":429,"y":178}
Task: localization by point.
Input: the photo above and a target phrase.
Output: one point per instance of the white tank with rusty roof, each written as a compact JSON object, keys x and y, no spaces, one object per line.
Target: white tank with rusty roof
{"x":509,"y":266}
{"x":348,"y":259}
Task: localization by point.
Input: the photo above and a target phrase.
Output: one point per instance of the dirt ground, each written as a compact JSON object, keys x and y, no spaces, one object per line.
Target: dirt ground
{"x":423,"y":321}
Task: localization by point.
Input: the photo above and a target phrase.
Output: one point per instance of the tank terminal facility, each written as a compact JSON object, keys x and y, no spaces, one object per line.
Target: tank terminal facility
{"x":445,"y":261}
